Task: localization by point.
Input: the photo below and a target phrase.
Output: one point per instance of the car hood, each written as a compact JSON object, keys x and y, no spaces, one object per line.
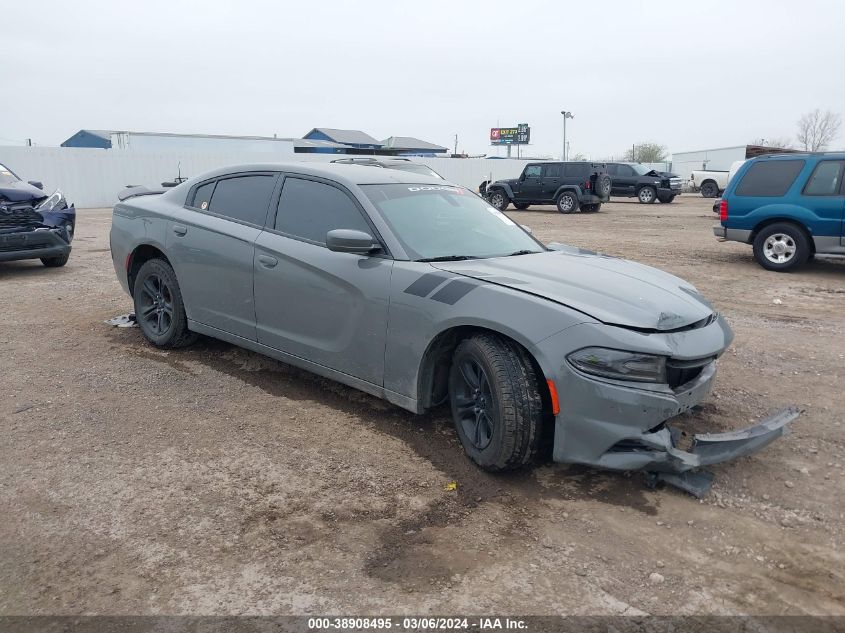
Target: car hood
{"x":613,"y":291}
{"x":505,"y":181}
{"x":21,"y":191}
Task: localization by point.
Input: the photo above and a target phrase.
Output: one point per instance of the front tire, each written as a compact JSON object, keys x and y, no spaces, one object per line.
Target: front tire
{"x":567,"y":202}
{"x":781,"y":247}
{"x":647,"y":195}
{"x":496,"y":403}
{"x":521,"y":206}
{"x":499,"y":199}
{"x":159,"y":308}
{"x":667,"y":199}
{"x":56,"y":262}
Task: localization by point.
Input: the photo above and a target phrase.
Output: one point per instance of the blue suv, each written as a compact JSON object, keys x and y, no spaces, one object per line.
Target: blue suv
{"x":789,"y":207}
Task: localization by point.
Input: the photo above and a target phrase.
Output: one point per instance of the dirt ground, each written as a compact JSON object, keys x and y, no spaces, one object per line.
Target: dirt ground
{"x":212,"y":480}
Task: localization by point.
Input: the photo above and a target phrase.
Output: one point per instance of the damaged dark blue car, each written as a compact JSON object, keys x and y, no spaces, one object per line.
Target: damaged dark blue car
{"x":34,"y":225}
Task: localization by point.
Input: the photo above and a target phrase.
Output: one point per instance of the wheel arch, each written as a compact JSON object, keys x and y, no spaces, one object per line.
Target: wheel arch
{"x":574,"y":188}
{"x":783,"y":220}
{"x":433,"y":374}
{"x":504,"y":187}
{"x":139,"y":256}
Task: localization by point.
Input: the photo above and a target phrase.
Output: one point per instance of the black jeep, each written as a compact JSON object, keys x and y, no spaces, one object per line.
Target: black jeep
{"x":569,"y":185}
{"x":647,"y":185}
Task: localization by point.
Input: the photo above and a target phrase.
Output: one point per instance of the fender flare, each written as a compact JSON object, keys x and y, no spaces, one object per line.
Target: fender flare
{"x":562,"y":188}
{"x":500,"y":185}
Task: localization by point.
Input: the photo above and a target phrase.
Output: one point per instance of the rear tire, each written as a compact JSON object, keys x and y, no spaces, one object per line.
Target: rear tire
{"x":709,"y":189}
{"x":590,"y":208}
{"x":521,"y":206}
{"x":159,"y":309}
{"x":781,"y":247}
{"x":567,"y":202}
{"x":498,"y":199}
{"x":647,"y":195}
{"x":56,"y":262}
{"x":496,"y":403}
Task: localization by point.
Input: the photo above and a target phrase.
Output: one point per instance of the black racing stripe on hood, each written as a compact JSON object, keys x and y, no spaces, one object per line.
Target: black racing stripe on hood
{"x":425,"y":284}
{"x":454,"y":291}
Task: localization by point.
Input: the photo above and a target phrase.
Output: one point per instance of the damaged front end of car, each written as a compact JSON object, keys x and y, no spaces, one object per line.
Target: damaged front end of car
{"x":36,"y":227}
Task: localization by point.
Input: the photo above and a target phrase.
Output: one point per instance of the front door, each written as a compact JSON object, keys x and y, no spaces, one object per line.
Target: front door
{"x":625,"y":180}
{"x":211,"y":246}
{"x":325,"y":307}
{"x":531,"y":185}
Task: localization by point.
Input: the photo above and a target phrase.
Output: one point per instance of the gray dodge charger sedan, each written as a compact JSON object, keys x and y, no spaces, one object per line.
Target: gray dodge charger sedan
{"x":418,"y":291}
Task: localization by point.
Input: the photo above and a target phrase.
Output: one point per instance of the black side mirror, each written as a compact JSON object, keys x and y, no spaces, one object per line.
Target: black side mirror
{"x":350,"y":241}
{"x":36,"y":183}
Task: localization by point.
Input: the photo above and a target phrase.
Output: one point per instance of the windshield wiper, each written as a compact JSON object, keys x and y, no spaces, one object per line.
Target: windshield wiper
{"x":522,"y":252}
{"x":447,"y":258}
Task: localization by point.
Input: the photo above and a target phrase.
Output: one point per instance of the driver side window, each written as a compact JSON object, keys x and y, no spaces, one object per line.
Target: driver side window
{"x":533,"y":171}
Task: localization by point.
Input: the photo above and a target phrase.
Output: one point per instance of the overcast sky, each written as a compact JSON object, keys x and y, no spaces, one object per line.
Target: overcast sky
{"x":689,"y":75}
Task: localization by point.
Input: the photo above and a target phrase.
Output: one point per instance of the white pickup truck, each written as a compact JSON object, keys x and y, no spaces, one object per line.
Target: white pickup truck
{"x":710,"y":183}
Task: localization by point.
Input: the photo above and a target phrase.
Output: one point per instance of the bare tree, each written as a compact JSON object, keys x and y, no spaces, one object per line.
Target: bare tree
{"x":646,"y":153}
{"x":780,"y":142}
{"x":817,"y":129}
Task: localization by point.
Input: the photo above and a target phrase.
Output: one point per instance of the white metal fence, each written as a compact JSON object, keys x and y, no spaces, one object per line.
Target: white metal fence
{"x":93,"y":177}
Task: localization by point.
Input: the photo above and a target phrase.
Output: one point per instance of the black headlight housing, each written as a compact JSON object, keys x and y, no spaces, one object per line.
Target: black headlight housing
{"x":620,"y":364}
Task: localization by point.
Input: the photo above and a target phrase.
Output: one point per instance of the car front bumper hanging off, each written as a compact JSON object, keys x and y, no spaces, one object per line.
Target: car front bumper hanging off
{"x":680,"y":469}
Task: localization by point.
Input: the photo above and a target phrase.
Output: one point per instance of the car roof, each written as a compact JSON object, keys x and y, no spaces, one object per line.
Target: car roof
{"x":346,"y":174}
{"x":835,"y":155}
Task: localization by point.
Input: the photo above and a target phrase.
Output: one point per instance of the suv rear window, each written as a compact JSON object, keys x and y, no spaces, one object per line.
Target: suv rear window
{"x":577,"y":170}
{"x":769,"y":178}
{"x":826,"y":179}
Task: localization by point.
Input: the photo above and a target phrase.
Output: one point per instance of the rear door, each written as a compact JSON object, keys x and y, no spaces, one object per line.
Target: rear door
{"x":325,"y":307}
{"x":552,"y":179}
{"x":824,"y":196}
{"x":210,"y":243}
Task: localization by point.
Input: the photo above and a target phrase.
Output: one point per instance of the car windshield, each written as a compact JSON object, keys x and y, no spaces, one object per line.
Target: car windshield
{"x":416,"y":168}
{"x":445,"y":221}
{"x":7,"y":176}
{"x":641,"y":170}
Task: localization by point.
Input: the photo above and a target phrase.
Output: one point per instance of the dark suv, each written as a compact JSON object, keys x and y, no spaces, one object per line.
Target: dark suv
{"x":33,"y":225}
{"x":633,"y":180}
{"x":569,"y":185}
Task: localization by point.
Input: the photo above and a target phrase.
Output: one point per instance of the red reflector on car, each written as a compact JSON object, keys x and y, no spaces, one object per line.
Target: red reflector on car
{"x":723,"y":210}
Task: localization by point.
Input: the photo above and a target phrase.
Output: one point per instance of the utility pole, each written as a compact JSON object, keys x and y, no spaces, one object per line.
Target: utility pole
{"x":456,"y":144}
{"x":633,"y":152}
{"x":566,"y":115}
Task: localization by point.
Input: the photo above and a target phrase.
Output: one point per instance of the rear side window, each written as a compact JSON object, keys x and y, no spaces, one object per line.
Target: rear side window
{"x":826,"y":179}
{"x":769,"y":178}
{"x":309,"y":210}
{"x":553,"y":171}
{"x":533,"y":171}
{"x":244,"y":198}
{"x":577,"y":170}
{"x":202,"y":196}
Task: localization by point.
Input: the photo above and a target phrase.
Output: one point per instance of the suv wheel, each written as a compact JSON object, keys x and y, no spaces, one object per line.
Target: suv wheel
{"x":56,"y":262}
{"x":666,"y":199}
{"x":604,"y":186}
{"x":496,"y":404}
{"x":521,"y":206}
{"x":159,"y":309}
{"x":781,"y":247}
{"x":567,"y":202}
{"x":647,"y":195}
{"x":591,"y":208}
{"x":709,"y":189}
{"x":499,"y":199}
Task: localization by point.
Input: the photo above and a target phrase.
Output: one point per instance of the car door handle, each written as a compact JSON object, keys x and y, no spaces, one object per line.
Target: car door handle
{"x":180,"y":230}
{"x":267,"y":261}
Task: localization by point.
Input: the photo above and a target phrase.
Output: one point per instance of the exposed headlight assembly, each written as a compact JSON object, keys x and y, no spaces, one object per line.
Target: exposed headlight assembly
{"x":620,"y":365}
{"x":56,"y":202}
